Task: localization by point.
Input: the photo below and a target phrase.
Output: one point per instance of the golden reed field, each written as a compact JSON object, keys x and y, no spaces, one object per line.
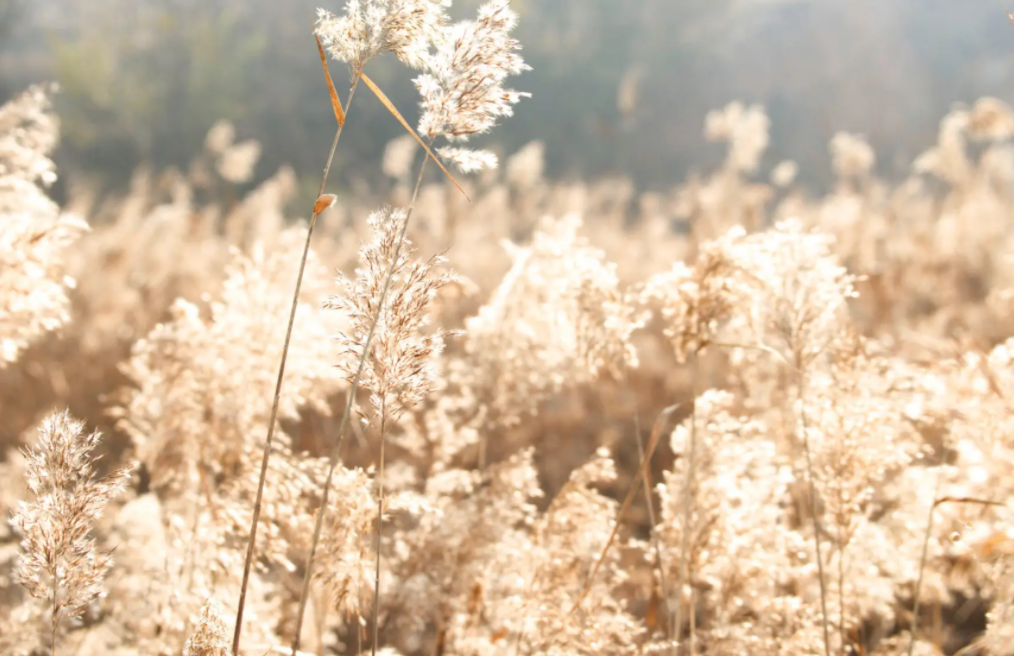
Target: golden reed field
{"x":512,"y":416}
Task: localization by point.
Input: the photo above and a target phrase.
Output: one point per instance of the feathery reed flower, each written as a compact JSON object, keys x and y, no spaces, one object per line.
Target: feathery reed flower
{"x":211,"y":637}
{"x":346,"y":566}
{"x":800,"y":303}
{"x":196,"y":376}
{"x":400,"y":366}
{"x":558,"y":318}
{"x":851,"y":156}
{"x":370,"y":27}
{"x":28,"y":133}
{"x":462,"y":83}
{"x":33,"y":282}
{"x":746,"y":131}
{"x":59,"y":560}
{"x":237,"y":162}
{"x":462,"y":86}
{"x":696,"y":301}
{"x":469,"y":160}
{"x":33,"y":235}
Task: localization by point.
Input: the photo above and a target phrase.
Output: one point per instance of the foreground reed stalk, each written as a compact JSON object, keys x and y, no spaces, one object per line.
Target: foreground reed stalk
{"x":812,"y":493}
{"x":937,"y":501}
{"x":350,"y":403}
{"x":380,"y":520}
{"x":248,"y":561}
{"x":60,"y":561}
{"x":677,"y":624}
{"x":656,"y":543}
{"x":380,"y":479}
{"x":922,"y":566}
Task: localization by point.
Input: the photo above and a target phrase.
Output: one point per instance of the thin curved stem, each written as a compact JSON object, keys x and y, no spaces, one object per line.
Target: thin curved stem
{"x":688,"y":483}
{"x":252,"y":540}
{"x":380,"y":480}
{"x":813,"y":514}
{"x":925,"y":550}
{"x":656,"y":543}
{"x":379,"y":532}
{"x":349,"y":404}
{"x":922,"y":566}
{"x":55,"y":617}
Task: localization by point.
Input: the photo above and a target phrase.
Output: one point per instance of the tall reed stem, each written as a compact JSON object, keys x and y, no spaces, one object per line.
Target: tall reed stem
{"x":379,"y":534}
{"x":349,"y":404}
{"x":922,"y":565}
{"x":688,"y":512}
{"x":380,"y":481}
{"x":663,"y":578}
{"x":54,"y":619}
{"x":251,"y":542}
{"x":812,"y":489}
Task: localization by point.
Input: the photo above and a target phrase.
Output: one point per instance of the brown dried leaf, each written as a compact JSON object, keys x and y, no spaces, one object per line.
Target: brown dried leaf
{"x":997,"y":544}
{"x":651,"y":614}
{"x":335,"y":103}
{"x":394,"y":111}
{"x":323,"y":202}
{"x":475,"y":599}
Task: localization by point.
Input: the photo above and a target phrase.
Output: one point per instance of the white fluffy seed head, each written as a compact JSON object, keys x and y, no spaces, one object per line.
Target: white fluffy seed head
{"x":462,"y":86}
{"x":370,"y":27}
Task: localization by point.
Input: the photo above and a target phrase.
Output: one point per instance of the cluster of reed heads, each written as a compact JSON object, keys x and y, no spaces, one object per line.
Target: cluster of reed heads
{"x":727,"y":419}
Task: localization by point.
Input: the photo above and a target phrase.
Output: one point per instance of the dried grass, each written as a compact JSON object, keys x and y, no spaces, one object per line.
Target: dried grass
{"x":836,"y":482}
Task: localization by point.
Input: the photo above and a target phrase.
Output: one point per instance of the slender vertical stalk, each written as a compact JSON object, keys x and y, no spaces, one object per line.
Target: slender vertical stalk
{"x":663,"y":578}
{"x":55,"y":615}
{"x":321,"y":622}
{"x":350,"y":402}
{"x":494,"y":374}
{"x":359,"y":629}
{"x":813,"y":508}
{"x":841,"y":595}
{"x":693,"y":623}
{"x":380,"y":471}
{"x":922,"y":564}
{"x":380,"y":520}
{"x":688,"y":483}
{"x":251,"y":542}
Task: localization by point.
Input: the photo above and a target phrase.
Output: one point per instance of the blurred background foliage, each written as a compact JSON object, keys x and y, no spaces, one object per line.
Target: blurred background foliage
{"x":618,"y":87}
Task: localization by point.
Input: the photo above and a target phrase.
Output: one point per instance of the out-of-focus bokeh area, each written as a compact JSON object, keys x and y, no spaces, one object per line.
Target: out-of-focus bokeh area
{"x":617,"y":86}
{"x":772,"y":235}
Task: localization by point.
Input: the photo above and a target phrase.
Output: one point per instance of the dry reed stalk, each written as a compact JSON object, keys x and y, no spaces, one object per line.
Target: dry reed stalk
{"x":812,"y":495}
{"x":350,"y":403}
{"x":462,"y":94}
{"x":59,"y":561}
{"x":656,"y":543}
{"x":925,"y":549}
{"x":642,"y":468}
{"x":379,"y":533}
{"x":688,"y":511}
{"x":211,"y":637}
{"x":922,"y":565}
{"x":318,"y":207}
